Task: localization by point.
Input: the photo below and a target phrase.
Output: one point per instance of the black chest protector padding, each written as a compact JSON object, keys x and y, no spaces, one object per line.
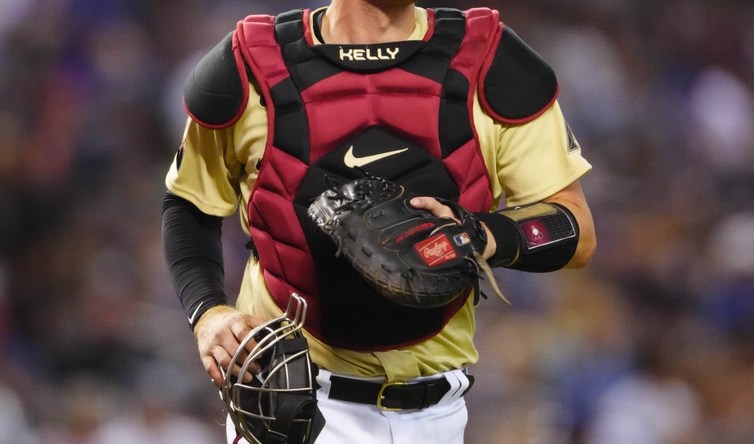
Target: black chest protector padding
{"x":519,"y":83}
{"x":214,"y":93}
{"x":344,"y":294}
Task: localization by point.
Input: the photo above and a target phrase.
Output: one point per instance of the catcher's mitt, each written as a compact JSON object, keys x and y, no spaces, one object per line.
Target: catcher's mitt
{"x":408,"y":255}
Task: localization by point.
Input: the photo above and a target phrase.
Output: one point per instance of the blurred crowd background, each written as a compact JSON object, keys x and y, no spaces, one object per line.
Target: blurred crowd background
{"x":653,"y":343}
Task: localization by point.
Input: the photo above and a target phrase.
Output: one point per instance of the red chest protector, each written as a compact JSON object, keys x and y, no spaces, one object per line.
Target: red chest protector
{"x":404,"y":113}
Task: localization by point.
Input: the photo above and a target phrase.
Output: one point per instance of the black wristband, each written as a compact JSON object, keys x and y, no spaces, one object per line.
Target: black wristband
{"x":192,"y":243}
{"x":540,"y":237}
{"x":507,"y":239}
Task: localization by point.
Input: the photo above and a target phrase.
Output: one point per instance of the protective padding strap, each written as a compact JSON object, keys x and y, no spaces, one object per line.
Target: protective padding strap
{"x":297,"y":418}
{"x":540,"y":237}
{"x":285,"y":430}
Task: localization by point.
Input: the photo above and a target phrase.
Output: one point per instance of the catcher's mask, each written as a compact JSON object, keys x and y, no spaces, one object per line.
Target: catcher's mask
{"x":278,"y":405}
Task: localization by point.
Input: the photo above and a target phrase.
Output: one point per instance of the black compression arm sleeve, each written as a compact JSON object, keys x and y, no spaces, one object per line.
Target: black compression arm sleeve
{"x":192,"y":242}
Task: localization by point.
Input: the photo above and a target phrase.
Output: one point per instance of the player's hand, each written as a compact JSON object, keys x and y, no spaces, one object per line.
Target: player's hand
{"x":438,"y":209}
{"x":433,"y":206}
{"x":219,"y":333}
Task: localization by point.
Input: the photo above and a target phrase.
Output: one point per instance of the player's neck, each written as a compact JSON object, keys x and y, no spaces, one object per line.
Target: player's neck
{"x":365,"y":21}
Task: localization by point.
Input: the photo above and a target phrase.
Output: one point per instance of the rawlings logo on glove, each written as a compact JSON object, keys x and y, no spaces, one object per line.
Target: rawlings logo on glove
{"x":410,"y":256}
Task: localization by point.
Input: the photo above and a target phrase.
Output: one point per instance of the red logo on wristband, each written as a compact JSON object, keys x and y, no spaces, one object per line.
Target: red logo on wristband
{"x":536,"y":233}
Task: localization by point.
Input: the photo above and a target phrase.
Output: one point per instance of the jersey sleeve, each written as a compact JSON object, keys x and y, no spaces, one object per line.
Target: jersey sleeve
{"x":536,"y":159}
{"x":206,"y":171}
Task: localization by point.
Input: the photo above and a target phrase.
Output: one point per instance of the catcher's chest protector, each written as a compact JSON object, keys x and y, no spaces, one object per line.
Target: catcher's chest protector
{"x":336,"y":112}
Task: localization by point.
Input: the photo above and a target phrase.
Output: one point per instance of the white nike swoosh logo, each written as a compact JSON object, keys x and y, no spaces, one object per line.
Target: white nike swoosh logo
{"x":352,"y":161}
{"x":191,"y":318}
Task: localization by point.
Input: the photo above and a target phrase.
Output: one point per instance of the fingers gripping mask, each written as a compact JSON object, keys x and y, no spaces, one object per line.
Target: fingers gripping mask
{"x":278,"y":404}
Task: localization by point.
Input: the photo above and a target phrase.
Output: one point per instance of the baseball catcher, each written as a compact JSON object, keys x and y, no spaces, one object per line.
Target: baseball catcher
{"x":428,"y":119}
{"x":408,"y":255}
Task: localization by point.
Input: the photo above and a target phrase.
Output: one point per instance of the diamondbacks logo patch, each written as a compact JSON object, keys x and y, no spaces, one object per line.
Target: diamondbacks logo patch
{"x":573,"y":144}
{"x":179,"y":155}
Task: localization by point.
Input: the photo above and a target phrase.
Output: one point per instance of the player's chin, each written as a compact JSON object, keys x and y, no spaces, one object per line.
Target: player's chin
{"x":385,"y":3}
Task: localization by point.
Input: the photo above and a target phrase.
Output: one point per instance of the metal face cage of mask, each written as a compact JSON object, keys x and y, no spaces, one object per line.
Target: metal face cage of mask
{"x":277,"y":405}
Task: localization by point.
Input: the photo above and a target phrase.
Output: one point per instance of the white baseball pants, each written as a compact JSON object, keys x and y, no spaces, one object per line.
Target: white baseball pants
{"x":350,"y":423}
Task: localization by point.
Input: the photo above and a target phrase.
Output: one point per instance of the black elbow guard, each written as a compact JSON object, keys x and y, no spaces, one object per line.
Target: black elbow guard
{"x":540,"y":237}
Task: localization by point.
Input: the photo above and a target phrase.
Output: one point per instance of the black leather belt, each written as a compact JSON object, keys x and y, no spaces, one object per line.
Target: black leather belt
{"x":392,"y":395}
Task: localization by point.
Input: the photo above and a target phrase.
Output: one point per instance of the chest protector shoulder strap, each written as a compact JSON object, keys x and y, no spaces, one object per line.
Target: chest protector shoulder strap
{"x":402,"y":114}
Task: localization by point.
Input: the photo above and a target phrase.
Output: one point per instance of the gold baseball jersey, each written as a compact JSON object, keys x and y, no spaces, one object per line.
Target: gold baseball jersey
{"x":216,"y":170}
